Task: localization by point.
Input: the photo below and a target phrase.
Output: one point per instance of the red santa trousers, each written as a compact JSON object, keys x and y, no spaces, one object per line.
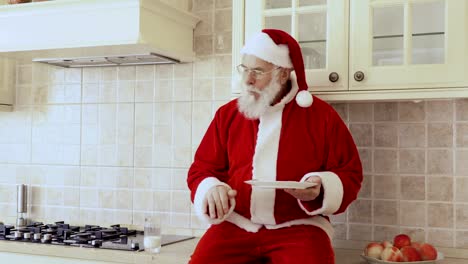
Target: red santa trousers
{"x":226,"y":243}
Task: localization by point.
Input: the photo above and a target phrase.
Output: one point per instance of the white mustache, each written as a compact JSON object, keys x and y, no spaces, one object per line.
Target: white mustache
{"x":253,"y":89}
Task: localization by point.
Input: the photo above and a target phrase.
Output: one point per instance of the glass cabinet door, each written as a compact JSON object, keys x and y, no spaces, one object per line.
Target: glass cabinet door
{"x":320,"y":27}
{"x":406,"y":44}
{"x":7,"y":83}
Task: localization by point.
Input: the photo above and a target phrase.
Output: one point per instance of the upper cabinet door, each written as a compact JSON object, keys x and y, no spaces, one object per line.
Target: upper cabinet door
{"x":321,"y":28}
{"x":7,"y":83}
{"x":407,"y":44}
{"x":369,"y":49}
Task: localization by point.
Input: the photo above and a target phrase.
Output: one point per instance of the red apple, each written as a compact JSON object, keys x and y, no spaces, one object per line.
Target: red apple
{"x":387,"y":244}
{"x":401,"y":240}
{"x":374,"y":250}
{"x":416,"y":245}
{"x":410,"y":254}
{"x":428,"y":252}
{"x":391,"y":254}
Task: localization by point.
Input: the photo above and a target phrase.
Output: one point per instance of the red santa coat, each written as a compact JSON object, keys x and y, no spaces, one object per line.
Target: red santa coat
{"x":288,"y":143}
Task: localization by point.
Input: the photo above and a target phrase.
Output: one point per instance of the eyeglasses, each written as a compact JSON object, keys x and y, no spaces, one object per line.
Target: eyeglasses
{"x":256,"y":74}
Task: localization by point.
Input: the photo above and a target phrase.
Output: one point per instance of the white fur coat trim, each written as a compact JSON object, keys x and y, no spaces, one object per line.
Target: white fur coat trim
{"x":200,"y":202}
{"x":319,"y":221}
{"x":332,"y":193}
{"x":262,"y":203}
{"x":265,"y":158}
{"x":247,"y":225}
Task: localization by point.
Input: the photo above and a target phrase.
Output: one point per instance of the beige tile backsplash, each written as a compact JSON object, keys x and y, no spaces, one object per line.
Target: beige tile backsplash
{"x":385,"y":212}
{"x":386,"y":186}
{"x":108,"y":145}
{"x":440,"y":215}
{"x":418,"y":167}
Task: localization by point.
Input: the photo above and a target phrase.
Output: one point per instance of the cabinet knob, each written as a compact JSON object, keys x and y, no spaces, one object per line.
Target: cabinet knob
{"x":333,"y":77}
{"x":359,"y":76}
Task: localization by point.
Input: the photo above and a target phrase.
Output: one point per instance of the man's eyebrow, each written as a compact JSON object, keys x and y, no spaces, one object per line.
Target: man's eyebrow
{"x":261,"y":68}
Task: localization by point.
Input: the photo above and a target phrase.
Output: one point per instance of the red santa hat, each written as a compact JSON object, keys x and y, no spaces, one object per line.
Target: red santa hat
{"x":281,"y":49}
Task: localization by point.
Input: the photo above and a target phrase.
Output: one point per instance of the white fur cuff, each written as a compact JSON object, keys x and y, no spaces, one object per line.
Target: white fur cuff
{"x":332,"y":193}
{"x":200,"y":202}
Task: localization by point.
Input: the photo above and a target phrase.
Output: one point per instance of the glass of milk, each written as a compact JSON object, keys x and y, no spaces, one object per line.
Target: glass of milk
{"x":152,"y":240}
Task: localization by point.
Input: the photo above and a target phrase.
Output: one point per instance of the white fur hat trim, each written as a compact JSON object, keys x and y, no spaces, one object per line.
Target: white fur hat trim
{"x":263,"y":47}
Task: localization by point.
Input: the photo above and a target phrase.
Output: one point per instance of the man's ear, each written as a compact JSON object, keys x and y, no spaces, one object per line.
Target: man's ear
{"x":284,"y":75}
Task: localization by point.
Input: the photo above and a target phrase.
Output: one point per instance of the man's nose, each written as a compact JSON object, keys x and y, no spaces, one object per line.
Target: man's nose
{"x":250,"y":78}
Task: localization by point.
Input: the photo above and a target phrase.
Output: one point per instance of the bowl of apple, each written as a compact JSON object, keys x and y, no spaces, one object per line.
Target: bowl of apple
{"x":402,"y":250}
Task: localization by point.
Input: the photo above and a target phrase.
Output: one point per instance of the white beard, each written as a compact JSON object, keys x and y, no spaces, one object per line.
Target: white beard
{"x":253,"y":108}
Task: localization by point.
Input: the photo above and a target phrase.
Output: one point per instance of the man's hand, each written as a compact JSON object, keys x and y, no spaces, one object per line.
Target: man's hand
{"x":308,"y":194}
{"x":218,"y":201}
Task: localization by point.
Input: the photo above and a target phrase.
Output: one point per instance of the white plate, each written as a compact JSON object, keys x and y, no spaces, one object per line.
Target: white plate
{"x":370,"y":260}
{"x":281,"y":184}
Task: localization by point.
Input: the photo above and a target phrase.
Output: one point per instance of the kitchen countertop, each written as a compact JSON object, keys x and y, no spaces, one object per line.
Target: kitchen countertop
{"x":171,"y":254}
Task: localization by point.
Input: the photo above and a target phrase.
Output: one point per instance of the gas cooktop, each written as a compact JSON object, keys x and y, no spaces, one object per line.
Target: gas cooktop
{"x":91,"y":236}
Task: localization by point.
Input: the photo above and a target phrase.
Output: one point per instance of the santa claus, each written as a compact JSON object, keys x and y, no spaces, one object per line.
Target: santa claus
{"x":267,"y":136}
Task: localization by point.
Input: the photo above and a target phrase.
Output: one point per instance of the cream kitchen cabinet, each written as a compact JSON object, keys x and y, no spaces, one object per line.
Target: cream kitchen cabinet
{"x":36,"y":259}
{"x":7,"y":83}
{"x":369,"y":49}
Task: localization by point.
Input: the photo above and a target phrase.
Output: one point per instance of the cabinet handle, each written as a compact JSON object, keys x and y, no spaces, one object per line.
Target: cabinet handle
{"x":359,"y":76}
{"x":333,"y":77}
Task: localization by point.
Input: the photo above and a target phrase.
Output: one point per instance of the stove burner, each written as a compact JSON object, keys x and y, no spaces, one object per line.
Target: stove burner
{"x":6,"y":229}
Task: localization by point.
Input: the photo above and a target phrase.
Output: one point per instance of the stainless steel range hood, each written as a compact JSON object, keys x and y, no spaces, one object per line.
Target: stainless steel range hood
{"x":101,"y":61}
{"x":85,"y":33}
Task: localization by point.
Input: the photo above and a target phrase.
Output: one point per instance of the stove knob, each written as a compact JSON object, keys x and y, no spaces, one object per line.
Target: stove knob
{"x":18,"y":235}
{"x":27,"y":235}
{"x":47,"y":238}
{"x":37,"y":236}
{"x":135,"y":245}
{"x":96,"y":243}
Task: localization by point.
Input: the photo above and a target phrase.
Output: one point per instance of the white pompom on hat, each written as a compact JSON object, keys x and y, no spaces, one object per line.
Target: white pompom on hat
{"x":281,"y":49}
